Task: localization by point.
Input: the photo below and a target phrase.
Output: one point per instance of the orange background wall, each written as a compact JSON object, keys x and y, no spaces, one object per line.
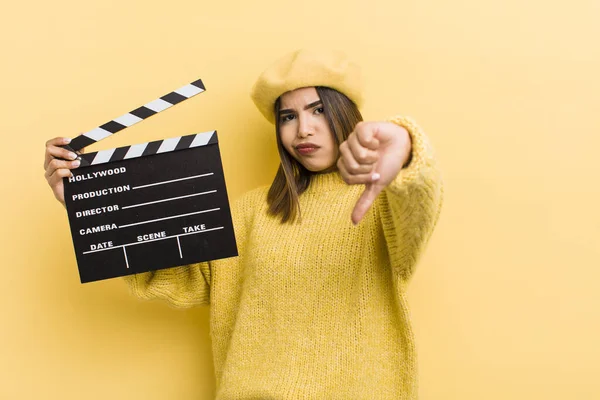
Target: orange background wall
{"x":505,"y":302}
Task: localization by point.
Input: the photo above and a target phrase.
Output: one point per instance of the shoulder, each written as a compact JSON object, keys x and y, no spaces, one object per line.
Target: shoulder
{"x":250,"y":203}
{"x":255,"y":197}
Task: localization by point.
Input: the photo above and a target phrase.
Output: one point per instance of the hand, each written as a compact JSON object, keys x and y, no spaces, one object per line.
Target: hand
{"x":56,"y":167}
{"x":373,"y":155}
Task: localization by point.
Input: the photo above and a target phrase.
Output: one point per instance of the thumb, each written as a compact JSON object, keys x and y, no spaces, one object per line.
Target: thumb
{"x":365,"y":201}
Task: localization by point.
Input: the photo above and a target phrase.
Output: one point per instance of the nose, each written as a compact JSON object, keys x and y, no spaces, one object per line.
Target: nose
{"x":305,"y":126}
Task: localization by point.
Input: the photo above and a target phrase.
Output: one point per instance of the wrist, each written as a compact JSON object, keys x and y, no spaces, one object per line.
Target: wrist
{"x":406,"y":145}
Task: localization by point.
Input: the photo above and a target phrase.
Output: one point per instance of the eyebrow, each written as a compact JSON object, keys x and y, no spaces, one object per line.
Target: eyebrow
{"x":306,"y":107}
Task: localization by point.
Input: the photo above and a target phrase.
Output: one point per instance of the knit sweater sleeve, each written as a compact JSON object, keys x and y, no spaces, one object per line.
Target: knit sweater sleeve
{"x":188,"y":285}
{"x":183,"y":286}
{"x":411,"y":204}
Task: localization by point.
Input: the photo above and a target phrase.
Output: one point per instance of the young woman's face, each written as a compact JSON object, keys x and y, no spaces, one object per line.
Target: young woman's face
{"x":304,"y":130}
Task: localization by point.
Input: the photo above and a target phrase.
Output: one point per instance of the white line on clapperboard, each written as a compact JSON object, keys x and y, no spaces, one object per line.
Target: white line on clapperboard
{"x":169,"y":199}
{"x":153,"y":240}
{"x":171,"y":217}
{"x":172,"y":180}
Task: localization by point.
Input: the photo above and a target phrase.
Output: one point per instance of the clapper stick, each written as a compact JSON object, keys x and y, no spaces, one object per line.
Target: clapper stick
{"x":148,"y":148}
{"x":135,"y":116}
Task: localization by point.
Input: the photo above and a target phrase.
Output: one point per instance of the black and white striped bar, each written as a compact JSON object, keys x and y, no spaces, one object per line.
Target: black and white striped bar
{"x":149,"y":148}
{"x":137,"y":115}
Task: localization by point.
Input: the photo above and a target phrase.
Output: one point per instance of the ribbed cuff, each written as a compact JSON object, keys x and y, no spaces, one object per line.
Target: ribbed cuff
{"x":419,"y":153}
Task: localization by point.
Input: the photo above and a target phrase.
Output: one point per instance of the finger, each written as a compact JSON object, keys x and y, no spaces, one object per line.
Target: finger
{"x":53,"y":152}
{"x":362,"y":179}
{"x":57,"y":177}
{"x":350,"y":163}
{"x":57,"y":164}
{"x":362,"y":154}
{"x":365,"y":202}
{"x":58,"y":141}
{"x":356,"y":179}
{"x":348,"y":177}
{"x":366,"y":135}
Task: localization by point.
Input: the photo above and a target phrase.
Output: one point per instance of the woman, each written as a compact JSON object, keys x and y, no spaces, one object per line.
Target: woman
{"x":314,"y":306}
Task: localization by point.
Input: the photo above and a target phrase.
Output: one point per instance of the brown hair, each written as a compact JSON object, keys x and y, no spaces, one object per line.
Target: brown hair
{"x":292,"y":179}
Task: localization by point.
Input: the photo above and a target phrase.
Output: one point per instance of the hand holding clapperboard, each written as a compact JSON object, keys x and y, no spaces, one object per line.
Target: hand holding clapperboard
{"x":148,"y":206}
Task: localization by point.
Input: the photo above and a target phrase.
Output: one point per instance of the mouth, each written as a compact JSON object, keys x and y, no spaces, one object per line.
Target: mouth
{"x":306,"y":148}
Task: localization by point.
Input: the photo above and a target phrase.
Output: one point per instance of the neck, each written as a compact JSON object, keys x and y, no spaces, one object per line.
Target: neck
{"x":333,"y":168}
{"x":324,"y":181}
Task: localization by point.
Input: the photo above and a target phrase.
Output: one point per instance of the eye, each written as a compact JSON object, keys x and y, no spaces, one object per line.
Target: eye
{"x":287,"y":117}
{"x":319,"y":110}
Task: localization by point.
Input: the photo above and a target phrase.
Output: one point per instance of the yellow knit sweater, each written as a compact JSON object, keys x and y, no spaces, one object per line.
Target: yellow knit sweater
{"x":315,"y":309}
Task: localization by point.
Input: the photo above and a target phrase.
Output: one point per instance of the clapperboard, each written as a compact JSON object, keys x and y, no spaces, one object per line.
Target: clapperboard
{"x":148,"y":206}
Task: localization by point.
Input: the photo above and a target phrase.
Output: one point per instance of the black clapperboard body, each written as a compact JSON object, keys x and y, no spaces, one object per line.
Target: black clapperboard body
{"x":148,"y":206}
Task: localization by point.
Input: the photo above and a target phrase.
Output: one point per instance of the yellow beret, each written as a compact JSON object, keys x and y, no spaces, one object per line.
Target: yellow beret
{"x":304,"y":68}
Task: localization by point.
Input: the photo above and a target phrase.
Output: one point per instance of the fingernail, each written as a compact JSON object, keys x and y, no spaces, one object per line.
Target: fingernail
{"x":375,"y":177}
{"x":67,"y":140}
{"x":72,"y":156}
{"x":76,"y":163}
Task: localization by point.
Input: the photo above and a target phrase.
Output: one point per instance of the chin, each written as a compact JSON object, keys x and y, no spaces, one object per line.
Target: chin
{"x":317,"y":165}
{"x":320,"y":168}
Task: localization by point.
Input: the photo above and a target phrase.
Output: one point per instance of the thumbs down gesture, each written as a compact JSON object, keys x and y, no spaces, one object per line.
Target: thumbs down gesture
{"x":373,"y":155}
